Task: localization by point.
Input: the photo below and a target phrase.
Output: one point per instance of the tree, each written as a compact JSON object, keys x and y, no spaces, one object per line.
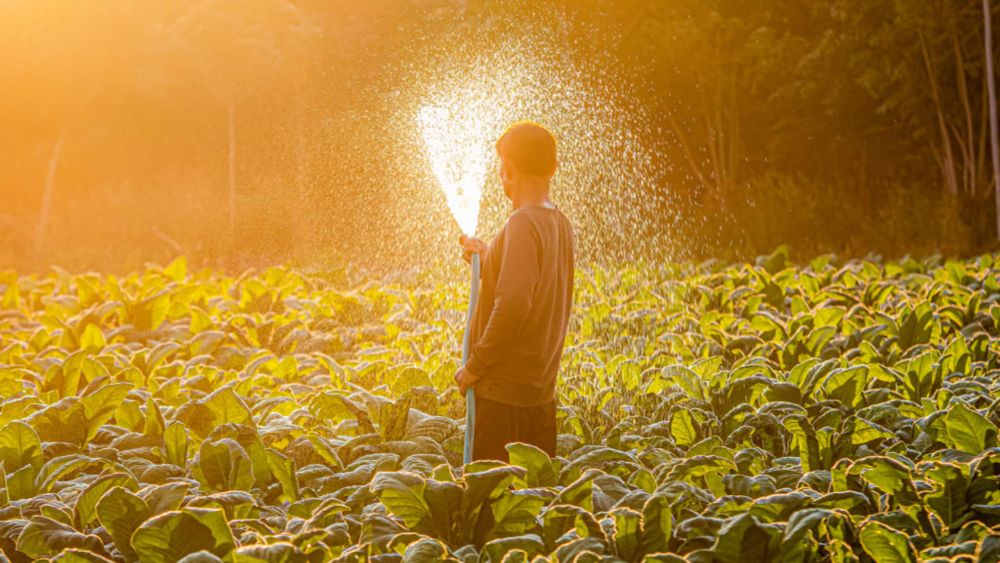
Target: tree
{"x":991,"y":88}
{"x":55,"y":94}
{"x":233,"y":55}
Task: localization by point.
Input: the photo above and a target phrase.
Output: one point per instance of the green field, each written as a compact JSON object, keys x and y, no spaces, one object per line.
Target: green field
{"x":830,"y":411}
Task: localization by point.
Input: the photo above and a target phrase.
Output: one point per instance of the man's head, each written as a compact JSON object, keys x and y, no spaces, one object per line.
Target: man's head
{"x":527,"y":157}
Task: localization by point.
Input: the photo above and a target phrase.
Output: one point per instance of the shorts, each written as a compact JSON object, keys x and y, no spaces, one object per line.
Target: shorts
{"x":499,"y":424}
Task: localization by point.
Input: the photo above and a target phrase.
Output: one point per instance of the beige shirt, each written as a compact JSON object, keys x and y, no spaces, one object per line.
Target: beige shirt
{"x":526,"y":292}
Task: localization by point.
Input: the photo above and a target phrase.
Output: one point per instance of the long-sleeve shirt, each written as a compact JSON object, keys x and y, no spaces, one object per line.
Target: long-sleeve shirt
{"x":526,"y":292}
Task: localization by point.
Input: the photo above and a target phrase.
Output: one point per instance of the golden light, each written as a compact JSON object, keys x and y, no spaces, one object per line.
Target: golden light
{"x":457,"y":145}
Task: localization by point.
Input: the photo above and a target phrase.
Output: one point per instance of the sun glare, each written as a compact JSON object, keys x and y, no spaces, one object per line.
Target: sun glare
{"x":457,"y":146}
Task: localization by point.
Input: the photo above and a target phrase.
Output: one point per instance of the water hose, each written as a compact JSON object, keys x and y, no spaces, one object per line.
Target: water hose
{"x":470,"y":394}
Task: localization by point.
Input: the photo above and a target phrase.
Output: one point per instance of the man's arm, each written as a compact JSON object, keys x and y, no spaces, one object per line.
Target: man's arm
{"x":519,"y":270}
{"x":471,"y":245}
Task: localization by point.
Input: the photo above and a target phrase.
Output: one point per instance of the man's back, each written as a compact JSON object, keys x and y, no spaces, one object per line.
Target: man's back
{"x":520,"y":323}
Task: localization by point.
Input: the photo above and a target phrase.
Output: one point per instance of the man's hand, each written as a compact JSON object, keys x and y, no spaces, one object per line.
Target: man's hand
{"x":470,"y":245}
{"x":465,"y":380}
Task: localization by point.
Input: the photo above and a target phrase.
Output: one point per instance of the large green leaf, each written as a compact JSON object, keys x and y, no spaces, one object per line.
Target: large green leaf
{"x":531,"y":544}
{"x":580,"y":492}
{"x":743,"y":539}
{"x":425,"y":549}
{"x":558,"y":519}
{"x":516,"y":512}
{"x":583,"y":550}
{"x":402,"y":492}
{"x":92,"y":340}
{"x":805,"y":441}
{"x":79,"y":556}
{"x":20,"y":484}
{"x":283,"y":469}
{"x":948,"y":501}
{"x":85,"y":508}
{"x":20,"y":446}
{"x":627,"y":533}
{"x":175,"y":442}
{"x":224,"y":465}
{"x":221,"y":407}
{"x":279,"y":552}
{"x":58,"y":468}
{"x":153,"y":425}
{"x":702,"y":470}
{"x":100,"y":406}
{"x":392,"y":419}
{"x":965,"y":429}
{"x":228,"y":408}
{"x":163,"y":498}
{"x":121,"y":513}
{"x":169,"y":537}
{"x":798,"y":542}
{"x":889,"y":475}
{"x":885,"y":544}
{"x":657,"y":524}
{"x":864,"y":432}
{"x":483,"y":486}
{"x":237,"y":505}
{"x":847,"y":384}
{"x":682,"y":428}
{"x":444,"y":498}
{"x":915,"y":325}
{"x":249,"y":439}
{"x":687,"y":379}
{"x":62,"y":421}
{"x":540,"y":471}
{"x":44,"y":537}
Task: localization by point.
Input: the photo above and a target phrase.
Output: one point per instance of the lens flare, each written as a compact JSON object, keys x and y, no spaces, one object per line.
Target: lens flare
{"x":457,"y":144}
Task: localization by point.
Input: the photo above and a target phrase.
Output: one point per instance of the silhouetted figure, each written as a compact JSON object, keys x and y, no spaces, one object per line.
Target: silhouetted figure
{"x":519,"y":326}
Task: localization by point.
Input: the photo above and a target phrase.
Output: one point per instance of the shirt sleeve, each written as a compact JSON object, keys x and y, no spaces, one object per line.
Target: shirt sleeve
{"x":519,"y":271}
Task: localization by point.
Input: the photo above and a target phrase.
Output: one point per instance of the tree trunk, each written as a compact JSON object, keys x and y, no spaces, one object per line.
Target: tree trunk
{"x":987,"y":19}
{"x":688,"y":155}
{"x":231,"y":157}
{"x":50,"y":183}
{"x":303,"y":222}
{"x":966,"y":141}
{"x":944,"y":155}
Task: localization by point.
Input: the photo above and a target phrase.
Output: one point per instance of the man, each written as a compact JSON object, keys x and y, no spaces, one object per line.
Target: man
{"x":519,"y":326}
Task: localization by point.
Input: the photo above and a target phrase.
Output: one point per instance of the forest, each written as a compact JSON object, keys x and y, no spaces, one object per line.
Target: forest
{"x":848,"y":126}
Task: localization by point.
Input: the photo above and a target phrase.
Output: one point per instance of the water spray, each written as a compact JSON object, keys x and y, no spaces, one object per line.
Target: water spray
{"x":456,"y":145}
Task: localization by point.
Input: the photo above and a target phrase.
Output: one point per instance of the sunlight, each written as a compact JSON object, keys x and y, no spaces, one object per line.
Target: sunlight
{"x":457,"y":146}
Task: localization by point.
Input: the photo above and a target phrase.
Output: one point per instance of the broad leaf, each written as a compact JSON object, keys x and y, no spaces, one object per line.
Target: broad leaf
{"x":402,"y":492}
{"x":20,"y":446}
{"x":85,"y":508}
{"x":100,"y":406}
{"x":224,"y":465}
{"x":44,"y":537}
{"x":885,"y":544}
{"x":175,"y":442}
{"x":171,"y":536}
{"x":516,"y":512}
{"x":965,"y":429}
{"x":529,"y":543}
{"x":539,"y":468}
{"x":121,"y":513}
{"x":743,"y":539}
